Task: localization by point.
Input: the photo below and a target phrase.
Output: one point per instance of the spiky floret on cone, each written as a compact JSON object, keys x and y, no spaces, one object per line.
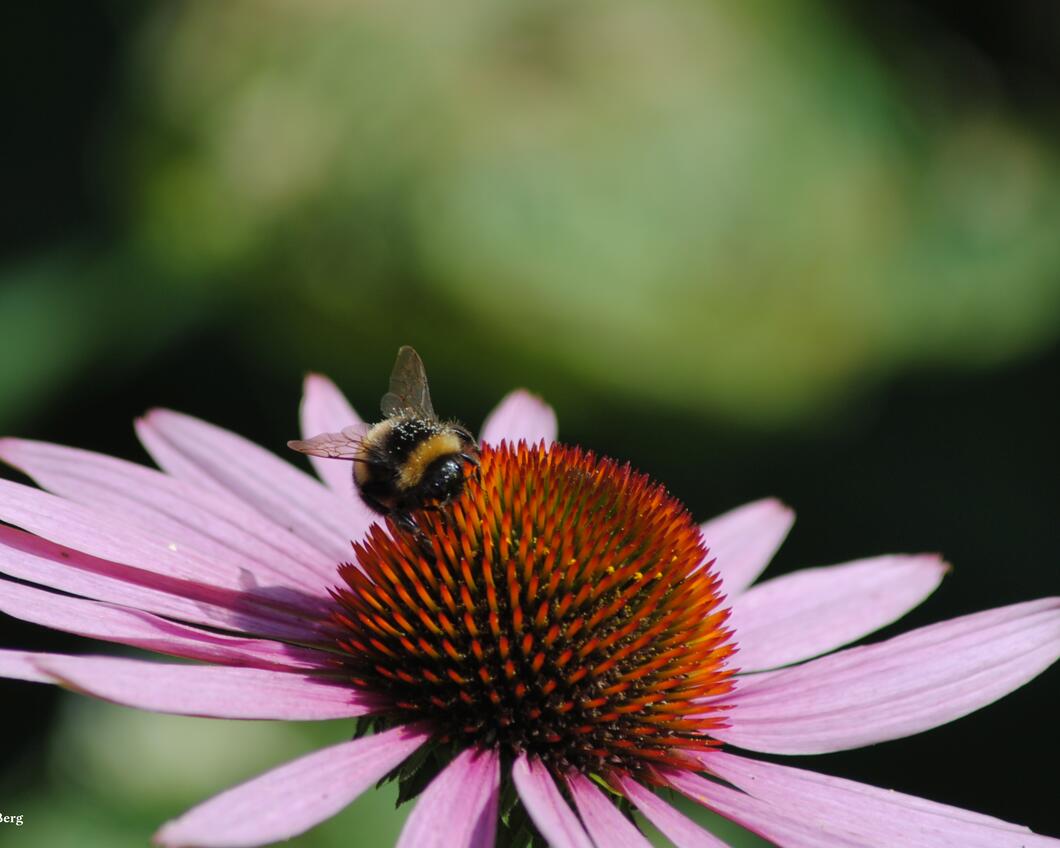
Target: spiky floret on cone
{"x":560,"y":606}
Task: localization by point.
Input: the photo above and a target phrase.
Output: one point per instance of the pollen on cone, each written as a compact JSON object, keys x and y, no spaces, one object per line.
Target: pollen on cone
{"x":557,"y":607}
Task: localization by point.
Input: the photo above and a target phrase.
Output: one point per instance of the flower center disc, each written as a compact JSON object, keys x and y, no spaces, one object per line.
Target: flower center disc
{"x":557,"y":606}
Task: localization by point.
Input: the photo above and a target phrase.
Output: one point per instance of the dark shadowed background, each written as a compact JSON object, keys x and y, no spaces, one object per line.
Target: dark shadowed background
{"x":804,"y":249}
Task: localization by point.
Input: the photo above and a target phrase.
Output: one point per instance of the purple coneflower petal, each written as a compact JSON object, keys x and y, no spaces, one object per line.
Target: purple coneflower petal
{"x":744,"y":540}
{"x":210,"y":691}
{"x":809,"y":612}
{"x":550,"y":813}
{"x":878,"y":818}
{"x":85,"y":529}
{"x":787,"y":831}
{"x":605,"y":823}
{"x":194,"y":450}
{"x":106,"y":537}
{"x":325,"y":409}
{"x":21,"y":665}
{"x":186,"y":516}
{"x":37,"y":560}
{"x":520,"y":415}
{"x":895,"y":688}
{"x":674,"y":825}
{"x":291,"y":799}
{"x":459,"y":808}
{"x":144,"y":630}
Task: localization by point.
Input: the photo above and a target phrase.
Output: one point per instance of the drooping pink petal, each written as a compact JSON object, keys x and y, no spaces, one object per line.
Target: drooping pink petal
{"x":809,"y":612}
{"x":94,"y":532}
{"x":606,"y":825}
{"x":325,"y":409}
{"x":758,"y":817}
{"x":85,"y":529}
{"x":20,"y":665}
{"x":291,"y":799}
{"x":210,"y":691}
{"x":37,"y":560}
{"x":877,"y":818}
{"x":674,"y":825}
{"x":545,"y":805}
{"x":520,"y":415}
{"x":459,"y":808}
{"x":143,"y":630}
{"x":895,"y":688}
{"x":195,"y":450}
{"x":744,"y":540}
{"x":218,"y":528}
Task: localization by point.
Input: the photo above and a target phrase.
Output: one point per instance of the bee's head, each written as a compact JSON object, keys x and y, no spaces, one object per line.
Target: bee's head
{"x":444,"y":478}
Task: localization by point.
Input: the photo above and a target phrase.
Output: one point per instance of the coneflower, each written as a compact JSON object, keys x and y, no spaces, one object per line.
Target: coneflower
{"x":532,"y":662}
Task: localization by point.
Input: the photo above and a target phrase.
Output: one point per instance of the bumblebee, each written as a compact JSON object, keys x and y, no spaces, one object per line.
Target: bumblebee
{"x":410,"y":460}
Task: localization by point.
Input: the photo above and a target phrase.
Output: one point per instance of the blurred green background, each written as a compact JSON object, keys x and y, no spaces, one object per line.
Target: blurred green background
{"x":809,"y":249}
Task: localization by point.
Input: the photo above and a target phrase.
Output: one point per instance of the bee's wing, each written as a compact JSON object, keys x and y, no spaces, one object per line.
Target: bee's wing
{"x":408,"y":386}
{"x":346,"y":444}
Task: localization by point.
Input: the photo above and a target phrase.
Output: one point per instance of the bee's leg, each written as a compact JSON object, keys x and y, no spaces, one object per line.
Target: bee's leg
{"x":407,"y":522}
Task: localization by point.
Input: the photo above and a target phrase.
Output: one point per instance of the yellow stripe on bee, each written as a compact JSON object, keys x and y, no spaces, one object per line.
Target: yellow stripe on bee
{"x":424,"y":454}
